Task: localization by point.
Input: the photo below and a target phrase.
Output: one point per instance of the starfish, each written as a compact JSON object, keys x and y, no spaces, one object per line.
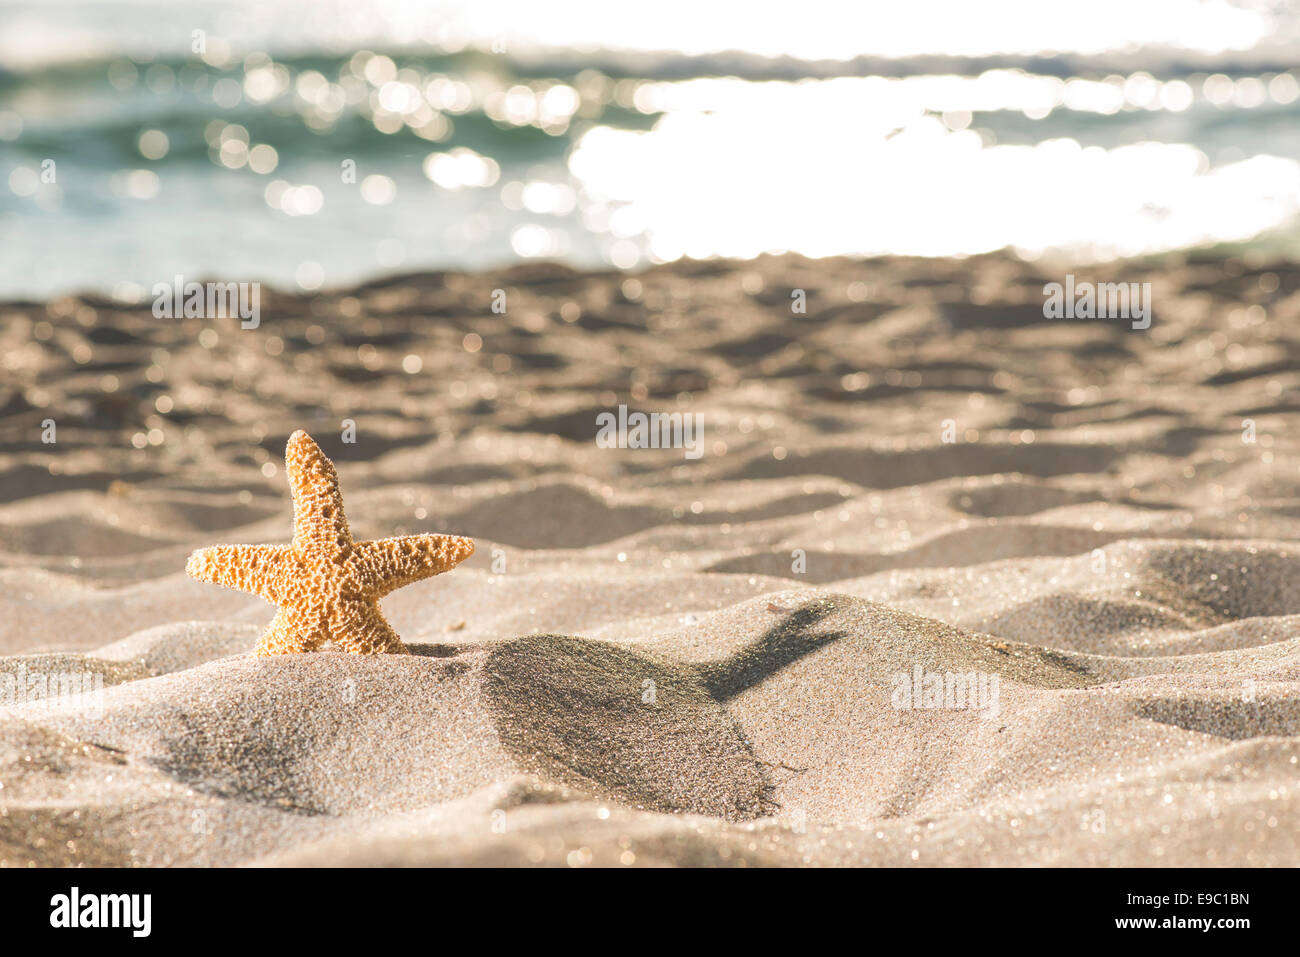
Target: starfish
{"x":327,"y":586}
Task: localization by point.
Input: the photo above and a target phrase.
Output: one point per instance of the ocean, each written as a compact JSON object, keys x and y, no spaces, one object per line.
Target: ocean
{"x":310,"y":145}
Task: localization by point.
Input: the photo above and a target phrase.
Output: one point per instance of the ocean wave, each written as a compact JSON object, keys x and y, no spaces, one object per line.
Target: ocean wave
{"x":328,"y":163}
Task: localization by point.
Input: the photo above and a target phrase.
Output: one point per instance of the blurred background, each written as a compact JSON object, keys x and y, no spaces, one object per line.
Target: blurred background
{"x":313,"y":144}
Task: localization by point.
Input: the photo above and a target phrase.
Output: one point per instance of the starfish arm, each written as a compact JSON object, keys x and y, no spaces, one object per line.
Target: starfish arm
{"x":285,"y":636}
{"x":319,"y":525}
{"x":257,"y":569}
{"x":359,"y":627}
{"x":389,"y":563}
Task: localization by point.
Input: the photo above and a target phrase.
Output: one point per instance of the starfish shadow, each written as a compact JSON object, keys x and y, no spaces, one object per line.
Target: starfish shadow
{"x":650,"y":731}
{"x":437,"y":650}
{"x":783,"y":644}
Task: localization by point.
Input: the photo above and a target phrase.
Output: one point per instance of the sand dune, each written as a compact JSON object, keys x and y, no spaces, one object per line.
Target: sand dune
{"x":652,"y":659}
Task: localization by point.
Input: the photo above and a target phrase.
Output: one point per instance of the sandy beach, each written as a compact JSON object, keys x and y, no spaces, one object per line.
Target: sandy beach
{"x":723,"y":654}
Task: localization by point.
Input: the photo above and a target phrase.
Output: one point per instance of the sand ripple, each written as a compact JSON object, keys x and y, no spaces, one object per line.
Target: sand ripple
{"x":656,"y":660}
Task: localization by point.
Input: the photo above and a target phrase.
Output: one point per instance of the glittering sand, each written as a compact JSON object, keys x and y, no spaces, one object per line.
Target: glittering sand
{"x":653,"y":659}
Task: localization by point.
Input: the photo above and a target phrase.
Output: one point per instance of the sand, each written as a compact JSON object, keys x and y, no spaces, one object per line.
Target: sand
{"x":659,"y":660}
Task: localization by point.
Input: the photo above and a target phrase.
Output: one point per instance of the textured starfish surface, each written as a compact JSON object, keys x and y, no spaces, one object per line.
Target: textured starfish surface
{"x":327,"y":586}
